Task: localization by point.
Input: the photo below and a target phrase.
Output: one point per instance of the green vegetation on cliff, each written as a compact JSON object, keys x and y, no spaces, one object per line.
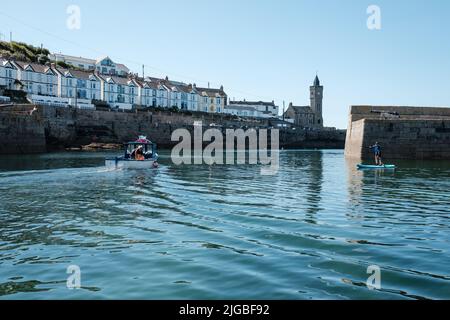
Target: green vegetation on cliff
{"x":24,"y":52}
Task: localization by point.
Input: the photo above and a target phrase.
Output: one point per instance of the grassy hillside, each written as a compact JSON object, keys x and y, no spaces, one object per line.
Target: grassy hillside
{"x":24,"y":52}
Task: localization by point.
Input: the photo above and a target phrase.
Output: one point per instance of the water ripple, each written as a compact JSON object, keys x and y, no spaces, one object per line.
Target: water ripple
{"x":223,"y":232}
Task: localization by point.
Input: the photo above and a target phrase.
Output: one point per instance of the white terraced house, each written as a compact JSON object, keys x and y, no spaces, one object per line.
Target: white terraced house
{"x":8,"y":74}
{"x":174,"y":95}
{"x":37,"y":79}
{"x":164,"y":93}
{"x":185,"y":92}
{"x":79,"y":84}
{"x":162,"y":96}
{"x":177,"y":94}
{"x":119,"y":92}
{"x":147,"y":92}
{"x":193,"y":98}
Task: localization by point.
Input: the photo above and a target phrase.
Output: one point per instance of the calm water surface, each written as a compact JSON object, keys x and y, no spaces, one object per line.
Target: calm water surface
{"x":223,"y":232}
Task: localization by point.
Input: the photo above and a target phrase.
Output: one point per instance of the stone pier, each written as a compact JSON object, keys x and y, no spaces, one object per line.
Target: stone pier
{"x":403,"y":132}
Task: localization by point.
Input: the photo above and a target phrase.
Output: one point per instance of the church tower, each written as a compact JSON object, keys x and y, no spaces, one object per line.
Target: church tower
{"x":316,"y":102}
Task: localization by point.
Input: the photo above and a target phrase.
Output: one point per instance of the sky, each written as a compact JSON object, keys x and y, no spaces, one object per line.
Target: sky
{"x":260,"y":49}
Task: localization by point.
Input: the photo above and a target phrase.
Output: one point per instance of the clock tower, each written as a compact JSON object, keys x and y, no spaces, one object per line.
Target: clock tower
{"x":316,"y":102}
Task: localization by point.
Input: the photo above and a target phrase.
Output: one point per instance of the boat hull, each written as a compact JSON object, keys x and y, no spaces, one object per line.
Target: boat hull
{"x":131,"y":164}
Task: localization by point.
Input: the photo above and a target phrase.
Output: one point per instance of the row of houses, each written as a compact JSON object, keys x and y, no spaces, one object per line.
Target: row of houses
{"x":56,"y":85}
{"x":83,"y":81}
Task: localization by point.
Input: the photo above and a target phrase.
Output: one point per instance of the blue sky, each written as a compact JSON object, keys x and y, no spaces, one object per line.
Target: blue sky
{"x":261,"y":49}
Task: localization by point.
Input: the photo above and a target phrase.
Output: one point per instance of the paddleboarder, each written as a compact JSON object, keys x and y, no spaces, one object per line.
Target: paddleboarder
{"x":376,"y":148}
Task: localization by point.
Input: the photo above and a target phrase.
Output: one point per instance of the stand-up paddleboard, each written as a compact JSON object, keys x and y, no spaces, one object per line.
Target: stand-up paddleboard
{"x":368,"y":166}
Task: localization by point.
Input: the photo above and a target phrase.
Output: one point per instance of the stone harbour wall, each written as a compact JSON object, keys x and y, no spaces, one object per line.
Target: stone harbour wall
{"x":51,"y":128}
{"x":403,"y":132}
{"x":21,"y":133}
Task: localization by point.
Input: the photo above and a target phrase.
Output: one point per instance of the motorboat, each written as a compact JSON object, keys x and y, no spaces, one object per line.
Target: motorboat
{"x":139,"y":154}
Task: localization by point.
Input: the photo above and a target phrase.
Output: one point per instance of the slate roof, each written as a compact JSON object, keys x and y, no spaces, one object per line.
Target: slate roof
{"x":211,"y":92}
{"x":301,"y":109}
{"x":118,"y":80}
{"x":84,"y":75}
{"x":36,"y":66}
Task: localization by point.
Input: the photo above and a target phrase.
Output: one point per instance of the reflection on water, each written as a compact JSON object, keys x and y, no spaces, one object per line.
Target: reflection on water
{"x":223,"y":231}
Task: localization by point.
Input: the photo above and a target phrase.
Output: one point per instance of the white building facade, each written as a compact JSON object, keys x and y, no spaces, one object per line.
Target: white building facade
{"x":147,"y":93}
{"x":37,"y":79}
{"x":104,"y":65}
{"x":8,"y":74}
{"x":78,"y":84}
{"x":119,"y":92}
{"x":86,"y":83}
{"x":259,"y":109}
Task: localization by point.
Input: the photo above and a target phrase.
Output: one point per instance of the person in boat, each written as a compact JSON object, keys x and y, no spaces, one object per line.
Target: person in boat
{"x":376,"y":148}
{"x":138,"y":153}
